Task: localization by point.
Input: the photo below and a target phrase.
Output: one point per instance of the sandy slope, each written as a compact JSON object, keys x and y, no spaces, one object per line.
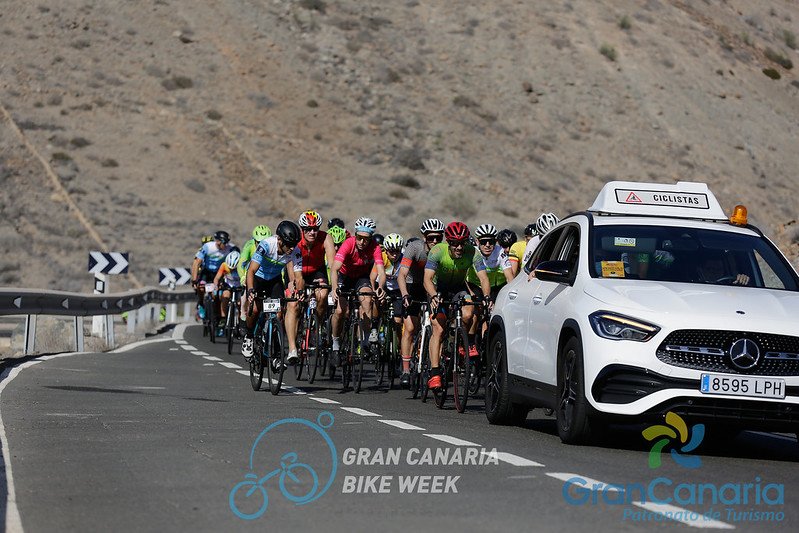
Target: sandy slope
{"x":166,"y":119}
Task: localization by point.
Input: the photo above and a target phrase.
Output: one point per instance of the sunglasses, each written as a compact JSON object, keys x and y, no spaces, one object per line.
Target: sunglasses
{"x":363,"y":238}
{"x":456,"y":244}
{"x":487,"y":242}
{"x":434,"y":238}
{"x":310,"y":229}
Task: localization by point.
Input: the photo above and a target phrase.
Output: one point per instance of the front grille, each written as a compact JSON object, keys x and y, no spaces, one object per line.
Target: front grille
{"x":746,"y":414}
{"x":709,"y":351}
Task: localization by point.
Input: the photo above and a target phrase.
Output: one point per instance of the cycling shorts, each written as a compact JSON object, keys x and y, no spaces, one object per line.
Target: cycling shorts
{"x":268,"y":288}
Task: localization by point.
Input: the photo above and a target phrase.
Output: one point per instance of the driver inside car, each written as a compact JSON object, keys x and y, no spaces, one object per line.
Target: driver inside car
{"x":712,"y":271}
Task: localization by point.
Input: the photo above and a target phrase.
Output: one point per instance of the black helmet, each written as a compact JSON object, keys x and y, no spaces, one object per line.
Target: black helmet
{"x":506,"y":237}
{"x":289,"y":233}
{"x":335,"y":221}
{"x":530,"y":231}
{"x":222,"y":236}
{"x":378,"y":237}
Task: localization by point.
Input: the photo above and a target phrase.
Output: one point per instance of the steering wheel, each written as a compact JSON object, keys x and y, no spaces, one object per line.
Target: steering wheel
{"x":725,"y":280}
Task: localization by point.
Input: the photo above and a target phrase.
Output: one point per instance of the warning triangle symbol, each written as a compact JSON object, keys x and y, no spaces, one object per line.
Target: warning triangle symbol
{"x":632,"y":198}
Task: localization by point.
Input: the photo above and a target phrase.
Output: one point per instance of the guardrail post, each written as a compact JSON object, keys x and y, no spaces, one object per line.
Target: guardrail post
{"x":132,"y":315}
{"x":78,"y":333}
{"x":109,"y":331}
{"x":30,"y":334}
{"x":100,"y":287}
{"x":187,"y":314}
{"x":141,"y":315}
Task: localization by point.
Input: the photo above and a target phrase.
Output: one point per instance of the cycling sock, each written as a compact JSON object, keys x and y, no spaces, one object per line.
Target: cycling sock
{"x":336,"y":341}
{"x":435,"y":371}
{"x":471,"y":339}
{"x":406,"y":363}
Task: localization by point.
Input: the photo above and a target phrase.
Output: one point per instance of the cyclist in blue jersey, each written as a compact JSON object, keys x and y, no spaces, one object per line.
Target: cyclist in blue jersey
{"x":207,"y":262}
{"x":265,"y":275}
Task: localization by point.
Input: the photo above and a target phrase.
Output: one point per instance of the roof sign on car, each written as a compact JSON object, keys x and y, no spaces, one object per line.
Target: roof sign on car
{"x":683,"y":199}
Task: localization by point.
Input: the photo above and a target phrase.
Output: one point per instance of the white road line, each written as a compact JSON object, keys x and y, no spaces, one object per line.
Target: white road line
{"x":180,"y":341}
{"x":243,"y":372}
{"x":509,"y":458}
{"x":208,"y":364}
{"x":227,"y":364}
{"x":200,"y":352}
{"x":451,"y":440}
{"x":359,"y":411}
{"x":177,"y":333}
{"x":211,"y":357}
{"x":590,"y":484}
{"x":173,"y":349}
{"x":677,"y":514}
{"x":188,"y":347}
{"x":401,"y":425}
{"x":142,"y":387}
{"x":323,"y":400}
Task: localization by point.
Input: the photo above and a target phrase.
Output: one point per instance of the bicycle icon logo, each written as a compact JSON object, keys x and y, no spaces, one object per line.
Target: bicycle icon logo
{"x":293,"y":476}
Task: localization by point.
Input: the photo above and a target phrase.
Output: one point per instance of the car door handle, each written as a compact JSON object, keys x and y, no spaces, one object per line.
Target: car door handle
{"x":537,"y":299}
{"x":512,"y":295}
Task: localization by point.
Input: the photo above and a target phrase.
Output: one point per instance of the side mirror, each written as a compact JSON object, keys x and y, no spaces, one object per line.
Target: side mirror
{"x":557,"y":271}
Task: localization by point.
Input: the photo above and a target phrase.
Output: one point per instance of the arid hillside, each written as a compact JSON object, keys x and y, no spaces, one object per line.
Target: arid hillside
{"x":140,"y":126}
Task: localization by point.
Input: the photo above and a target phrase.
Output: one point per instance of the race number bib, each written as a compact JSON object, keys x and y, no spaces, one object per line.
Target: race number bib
{"x":271,"y":305}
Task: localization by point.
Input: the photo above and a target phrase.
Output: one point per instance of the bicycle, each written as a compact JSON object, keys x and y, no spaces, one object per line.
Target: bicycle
{"x":388,"y":344}
{"x":269,"y":346}
{"x":288,"y":466}
{"x":233,"y":329}
{"x":352,"y":341}
{"x":309,"y":333}
{"x":455,"y":360}
{"x":481,"y":342}
{"x":209,"y":305}
{"x":420,"y":355}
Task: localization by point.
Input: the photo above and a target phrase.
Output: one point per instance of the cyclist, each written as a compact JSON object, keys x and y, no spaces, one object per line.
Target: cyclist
{"x":317,"y":250}
{"x":207,"y":262}
{"x":497,"y":267}
{"x":259,"y":233}
{"x":227,"y":278}
{"x":392,"y":257}
{"x":516,"y":251}
{"x":335,"y":221}
{"x":265,"y":274}
{"x":410,"y":280}
{"x":445,"y":279}
{"x":338,"y":234}
{"x":351,"y":271}
{"x":543,"y":224}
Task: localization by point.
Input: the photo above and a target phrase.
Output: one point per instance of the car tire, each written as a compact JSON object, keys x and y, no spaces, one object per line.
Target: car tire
{"x":572,"y":409}
{"x":499,"y":409}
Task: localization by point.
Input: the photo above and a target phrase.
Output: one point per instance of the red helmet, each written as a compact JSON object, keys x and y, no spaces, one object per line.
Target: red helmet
{"x":456,"y":231}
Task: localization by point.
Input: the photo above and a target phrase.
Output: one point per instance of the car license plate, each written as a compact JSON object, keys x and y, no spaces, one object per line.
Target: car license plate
{"x":271,"y":305}
{"x":329,"y":299}
{"x":742,"y":386}
{"x":210,"y":288}
{"x":312,"y":303}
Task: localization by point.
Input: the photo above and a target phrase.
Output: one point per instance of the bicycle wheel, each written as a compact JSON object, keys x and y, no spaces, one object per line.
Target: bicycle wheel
{"x":478,"y":364}
{"x":257,"y":360}
{"x":461,"y":370}
{"x":445,"y":363}
{"x":394,"y":344}
{"x":302,"y":348}
{"x":230,"y":324}
{"x":424,"y":353}
{"x":278,"y":355}
{"x":315,"y":349}
{"x":210,"y":314}
{"x":357,"y":355}
{"x":325,"y":336}
{"x":381,"y":360}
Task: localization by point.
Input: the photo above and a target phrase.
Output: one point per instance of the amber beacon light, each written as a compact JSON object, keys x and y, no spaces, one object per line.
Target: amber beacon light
{"x":738,"y":216}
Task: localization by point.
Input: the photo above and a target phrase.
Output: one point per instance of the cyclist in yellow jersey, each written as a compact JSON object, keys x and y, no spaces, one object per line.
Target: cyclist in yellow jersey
{"x":516,"y":252}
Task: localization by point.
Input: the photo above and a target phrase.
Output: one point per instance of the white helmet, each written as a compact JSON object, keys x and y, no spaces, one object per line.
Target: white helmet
{"x":485,"y":230}
{"x":366,"y":225}
{"x":432,"y":225}
{"x":545,"y":223}
{"x":232,"y":259}
{"x":393,"y":241}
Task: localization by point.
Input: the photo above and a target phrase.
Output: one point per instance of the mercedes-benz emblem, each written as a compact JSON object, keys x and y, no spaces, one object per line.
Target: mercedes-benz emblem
{"x":744,"y":354}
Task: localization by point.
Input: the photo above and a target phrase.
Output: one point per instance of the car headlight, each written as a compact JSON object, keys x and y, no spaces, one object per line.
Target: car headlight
{"x":621,"y":328}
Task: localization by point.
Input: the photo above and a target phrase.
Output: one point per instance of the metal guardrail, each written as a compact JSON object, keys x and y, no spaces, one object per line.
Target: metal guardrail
{"x":41,"y":302}
{"x":34,"y":302}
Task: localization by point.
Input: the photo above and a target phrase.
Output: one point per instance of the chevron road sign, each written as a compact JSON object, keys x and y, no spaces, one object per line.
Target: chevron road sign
{"x":108,"y":262}
{"x":180,"y":276}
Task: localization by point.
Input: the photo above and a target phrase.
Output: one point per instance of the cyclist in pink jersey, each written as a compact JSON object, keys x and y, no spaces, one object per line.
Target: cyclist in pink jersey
{"x":351,"y":268}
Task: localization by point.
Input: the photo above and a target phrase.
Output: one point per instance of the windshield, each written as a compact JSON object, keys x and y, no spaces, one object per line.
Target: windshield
{"x":688,"y":255}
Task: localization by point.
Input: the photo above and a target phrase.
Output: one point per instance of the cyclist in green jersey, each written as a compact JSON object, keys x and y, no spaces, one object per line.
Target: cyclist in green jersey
{"x":445,"y":279}
{"x":259,"y":233}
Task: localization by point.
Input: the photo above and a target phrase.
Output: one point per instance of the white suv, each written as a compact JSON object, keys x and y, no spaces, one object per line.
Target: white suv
{"x":651,"y":301}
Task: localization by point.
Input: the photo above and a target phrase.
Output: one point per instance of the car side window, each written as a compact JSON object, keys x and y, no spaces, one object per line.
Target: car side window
{"x":545,"y":251}
{"x":569,"y":249}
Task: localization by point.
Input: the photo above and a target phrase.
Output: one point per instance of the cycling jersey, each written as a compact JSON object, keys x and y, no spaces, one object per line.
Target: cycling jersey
{"x":516,"y":252}
{"x":271,"y":265}
{"x":451,"y":272}
{"x":530,"y":248}
{"x":313,"y":257}
{"x":414,"y":259}
{"x":231,"y":277}
{"x":392,"y":269}
{"x":357,"y":264}
{"x":246,"y":255}
{"x":212,"y":257}
{"x":494,"y":264}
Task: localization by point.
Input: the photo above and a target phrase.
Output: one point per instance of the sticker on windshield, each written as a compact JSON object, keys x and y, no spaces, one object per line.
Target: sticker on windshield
{"x":624,"y":241}
{"x":612,"y":269}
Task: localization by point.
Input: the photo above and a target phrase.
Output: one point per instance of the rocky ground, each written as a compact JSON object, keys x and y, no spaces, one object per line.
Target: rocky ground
{"x":139,"y":126}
